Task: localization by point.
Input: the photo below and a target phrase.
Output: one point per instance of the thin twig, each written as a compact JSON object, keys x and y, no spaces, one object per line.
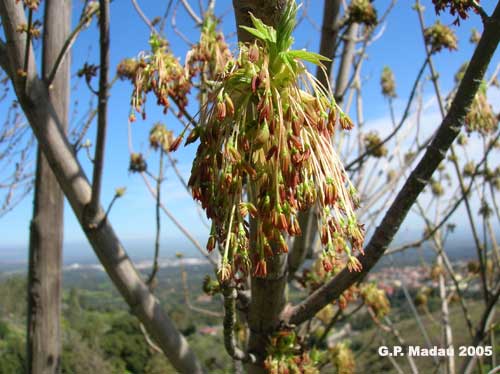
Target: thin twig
{"x":143,"y":16}
{"x":102,"y":108}
{"x":69,"y":43}
{"x":229,"y":319}
{"x":191,"y":12}
{"x":159,"y":181}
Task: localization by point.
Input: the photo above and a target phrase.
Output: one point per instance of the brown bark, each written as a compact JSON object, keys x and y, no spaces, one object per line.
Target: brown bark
{"x":269,"y":11}
{"x":269,"y":294}
{"x":46,"y":231}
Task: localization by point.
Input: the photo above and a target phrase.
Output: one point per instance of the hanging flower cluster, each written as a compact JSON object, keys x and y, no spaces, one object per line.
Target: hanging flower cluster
{"x":161,"y":73}
{"x":439,"y":36}
{"x":342,"y":358}
{"x":286,"y":355}
{"x":160,"y":137}
{"x":267,"y":134}
{"x":211,"y":54}
{"x":480,"y":117}
{"x":458,"y":7}
{"x":362,"y":11}
{"x":157,"y":71}
{"x":376,"y":299}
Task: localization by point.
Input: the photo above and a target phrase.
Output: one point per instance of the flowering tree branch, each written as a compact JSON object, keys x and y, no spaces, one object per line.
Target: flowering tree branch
{"x":435,"y":153}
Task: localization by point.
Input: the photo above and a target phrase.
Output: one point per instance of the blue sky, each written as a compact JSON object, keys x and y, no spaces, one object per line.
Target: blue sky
{"x":400,"y":47}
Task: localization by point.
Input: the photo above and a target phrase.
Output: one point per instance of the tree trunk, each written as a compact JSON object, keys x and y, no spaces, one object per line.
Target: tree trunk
{"x":46,"y":231}
{"x":269,"y":294}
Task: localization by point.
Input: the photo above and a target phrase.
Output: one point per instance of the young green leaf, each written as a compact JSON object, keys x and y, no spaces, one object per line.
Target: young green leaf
{"x":312,"y":57}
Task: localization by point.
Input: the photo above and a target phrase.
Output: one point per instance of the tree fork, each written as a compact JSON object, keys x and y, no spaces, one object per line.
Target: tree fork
{"x":71,"y":177}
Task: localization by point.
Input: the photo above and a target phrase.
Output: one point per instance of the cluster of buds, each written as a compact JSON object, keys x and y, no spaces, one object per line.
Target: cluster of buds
{"x":326,"y":314}
{"x":34,"y":30}
{"x":474,"y":267}
{"x":362,"y":11}
{"x":137,"y":163}
{"x":120,"y":191}
{"x":374,"y":145}
{"x":462,"y":140}
{"x":267,"y":134}
{"x":409,"y":157}
{"x":160,"y":72}
{"x":210,"y":286}
{"x":342,"y":358}
{"x":161,"y":137}
{"x":490,"y":175}
{"x":461,"y":71}
{"x":127,"y":69}
{"x":439,"y":36}
{"x":391,"y":175}
{"x":388,"y":83}
{"x":469,"y":169}
{"x":480,"y":117}
{"x":495,"y":179}
{"x":437,"y":188}
{"x":88,"y":71}
{"x":474,"y":36}
{"x":286,"y":355}
{"x":485,"y":210}
{"x":348,"y":296}
{"x":422,"y":297}
{"x":437,"y":271}
{"x":376,"y":299}
{"x":457,"y":7}
{"x":211,"y":54}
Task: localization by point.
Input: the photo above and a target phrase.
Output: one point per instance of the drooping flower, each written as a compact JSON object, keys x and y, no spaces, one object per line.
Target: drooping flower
{"x":266,"y":135}
{"x":457,"y":7}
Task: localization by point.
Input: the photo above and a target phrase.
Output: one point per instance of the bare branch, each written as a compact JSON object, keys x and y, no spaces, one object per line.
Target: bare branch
{"x":229,"y":318}
{"x":159,"y":181}
{"x":69,"y":43}
{"x":143,"y":17}
{"x":191,"y":12}
{"x":102,"y":110}
{"x":470,"y":361}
